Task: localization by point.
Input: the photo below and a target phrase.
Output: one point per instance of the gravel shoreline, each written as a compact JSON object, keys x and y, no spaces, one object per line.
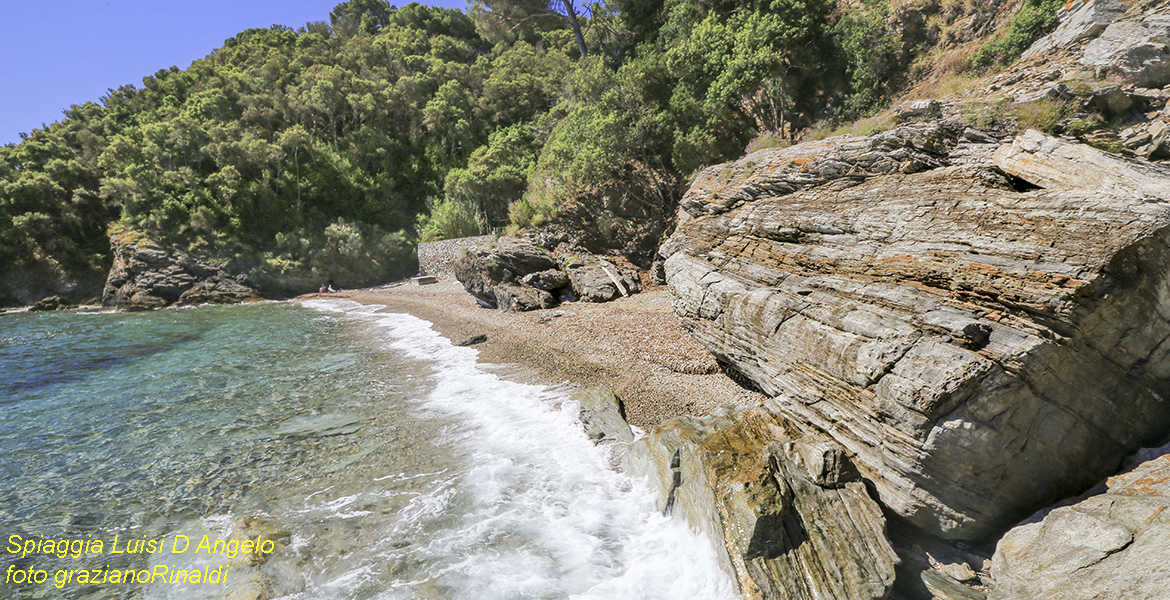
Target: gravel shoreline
{"x":633,"y":345}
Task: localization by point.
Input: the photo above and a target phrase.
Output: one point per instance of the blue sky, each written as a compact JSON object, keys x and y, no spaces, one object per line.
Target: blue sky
{"x":55,"y":53}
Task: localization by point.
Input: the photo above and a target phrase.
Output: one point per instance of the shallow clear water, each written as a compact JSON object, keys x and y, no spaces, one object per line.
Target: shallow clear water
{"x":383,"y":461}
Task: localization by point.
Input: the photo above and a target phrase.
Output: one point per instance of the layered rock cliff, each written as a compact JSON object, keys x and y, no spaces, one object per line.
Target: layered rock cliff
{"x":983,"y":338}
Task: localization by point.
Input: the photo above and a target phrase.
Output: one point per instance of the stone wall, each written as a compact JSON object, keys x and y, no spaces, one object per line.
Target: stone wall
{"x":437,"y":258}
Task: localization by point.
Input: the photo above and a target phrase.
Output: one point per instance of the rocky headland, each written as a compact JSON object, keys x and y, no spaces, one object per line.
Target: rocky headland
{"x":955,"y":324}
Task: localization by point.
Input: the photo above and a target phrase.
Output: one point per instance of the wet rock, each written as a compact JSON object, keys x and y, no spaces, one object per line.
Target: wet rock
{"x":217,"y":290}
{"x":1138,"y":50}
{"x":979,"y":344}
{"x":472,"y":340}
{"x":1109,"y":545}
{"x":740,"y":479}
{"x":47,"y":304}
{"x":602,"y":415}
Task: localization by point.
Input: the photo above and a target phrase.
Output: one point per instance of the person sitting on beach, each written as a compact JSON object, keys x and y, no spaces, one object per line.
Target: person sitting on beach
{"x":322,"y":290}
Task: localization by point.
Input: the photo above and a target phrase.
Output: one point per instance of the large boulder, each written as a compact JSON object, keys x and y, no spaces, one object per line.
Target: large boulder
{"x":516,"y":274}
{"x":146,"y":274}
{"x":791,"y":514}
{"x":494,"y":274}
{"x":1114,"y":544}
{"x":599,"y":279}
{"x":982,"y":339}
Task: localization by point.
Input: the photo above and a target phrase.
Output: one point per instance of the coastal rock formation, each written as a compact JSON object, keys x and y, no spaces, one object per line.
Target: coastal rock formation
{"x":1137,"y":49}
{"x":982,"y":339}
{"x":1109,"y":545}
{"x":515,"y":274}
{"x":792,"y":515}
{"x":492,"y":273}
{"x":146,"y":275}
{"x":602,"y":415}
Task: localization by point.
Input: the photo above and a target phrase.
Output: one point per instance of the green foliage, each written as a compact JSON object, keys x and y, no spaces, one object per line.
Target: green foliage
{"x":340,"y":142}
{"x":1035,"y":20}
{"x":1044,"y":115}
{"x":451,"y":218}
{"x":869,"y":50}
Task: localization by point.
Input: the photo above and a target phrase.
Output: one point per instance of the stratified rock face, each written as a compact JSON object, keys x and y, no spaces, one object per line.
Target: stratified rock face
{"x":1083,"y":21}
{"x":514,"y":274}
{"x":1112,"y":545}
{"x":776,"y":172}
{"x":146,"y":275}
{"x":1138,"y":50}
{"x":794,"y":518}
{"x":980,"y":351}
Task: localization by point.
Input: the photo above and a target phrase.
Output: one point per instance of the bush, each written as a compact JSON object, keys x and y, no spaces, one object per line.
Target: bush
{"x":451,"y":218}
{"x":1034,"y":21}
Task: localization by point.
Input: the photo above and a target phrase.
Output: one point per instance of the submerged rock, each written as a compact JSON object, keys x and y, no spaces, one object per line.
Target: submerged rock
{"x":981,"y":339}
{"x":325,"y":425}
{"x":790,"y":512}
{"x":1110,"y":545}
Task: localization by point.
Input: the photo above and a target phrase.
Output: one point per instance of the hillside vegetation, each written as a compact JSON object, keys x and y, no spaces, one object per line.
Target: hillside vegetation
{"x":334,"y":147}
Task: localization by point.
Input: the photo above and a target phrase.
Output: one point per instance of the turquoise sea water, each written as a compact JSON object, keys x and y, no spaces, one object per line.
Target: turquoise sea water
{"x":382,"y":461}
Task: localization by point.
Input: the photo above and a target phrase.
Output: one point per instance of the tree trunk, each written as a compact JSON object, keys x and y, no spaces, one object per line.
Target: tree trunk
{"x":571,"y":15}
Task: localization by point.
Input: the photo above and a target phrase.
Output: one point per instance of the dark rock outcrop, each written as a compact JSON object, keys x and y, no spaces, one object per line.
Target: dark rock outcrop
{"x":493,"y":272}
{"x":147,"y":275}
{"x":47,"y":304}
{"x":789,"y":510}
{"x":1113,"y":544}
{"x":515,"y":274}
{"x":982,"y":339}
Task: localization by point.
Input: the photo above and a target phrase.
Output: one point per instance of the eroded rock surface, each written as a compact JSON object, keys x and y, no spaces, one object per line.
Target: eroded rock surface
{"x":980,"y":346}
{"x":1137,"y":49}
{"x":1112,"y":545}
{"x":148,"y":275}
{"x":515,"y":274}
{"x":602,"y":415}
{"x":790,"y":511}
{"x":1081,"y":21}
{"x":493,"y":272}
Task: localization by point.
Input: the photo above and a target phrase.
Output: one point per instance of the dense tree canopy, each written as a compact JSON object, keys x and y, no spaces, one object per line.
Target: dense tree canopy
{"x":358,"y":135}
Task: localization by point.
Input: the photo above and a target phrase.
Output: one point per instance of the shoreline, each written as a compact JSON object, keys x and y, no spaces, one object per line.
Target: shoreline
{"x":633,"y":345}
